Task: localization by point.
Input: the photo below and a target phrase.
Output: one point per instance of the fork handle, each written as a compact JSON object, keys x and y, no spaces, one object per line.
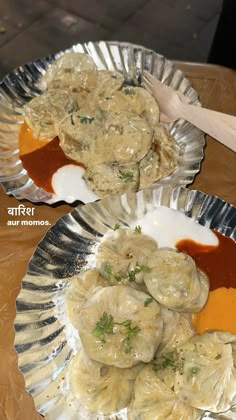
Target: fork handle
{"x":221,"y":127}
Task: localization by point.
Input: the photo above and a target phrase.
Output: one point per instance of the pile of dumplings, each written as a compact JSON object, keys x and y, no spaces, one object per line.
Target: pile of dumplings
{"x":139,"y":350}
{"x":109,"y":127}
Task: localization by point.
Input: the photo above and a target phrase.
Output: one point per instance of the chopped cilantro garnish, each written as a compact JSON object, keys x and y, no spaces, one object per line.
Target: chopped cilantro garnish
{"x":71,"y":119}
{"x":128,"y":91}
{"x":90,"y":176}
{"x":103,"y":326}
{"x":130,"y":332}
{"x":169,"y":360}
{"x":195,"y":370}
{"x":116,"y":227}
{"x":86,"y":120}
{"x":126,"y":176}
{"x":138,"y":229}
{"x":143,"y":268}
{"x":138,"y":269}
{"x":131,"y":275}
{"x":106,"y":269}
{"x":119,"y":276}
{"x":148,"y":301}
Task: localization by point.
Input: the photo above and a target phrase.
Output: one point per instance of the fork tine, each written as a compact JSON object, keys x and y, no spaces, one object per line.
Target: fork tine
{"x":148,"y":88}
{"x":147,"y":85}
{"x":147,"y":82}
{"x":148,"y":76}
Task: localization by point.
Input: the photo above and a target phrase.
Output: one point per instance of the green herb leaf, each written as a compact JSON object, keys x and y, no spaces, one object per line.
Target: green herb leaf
{"x":126,"y":176}
{"x":169,"y":360}
{"x":148,"y":301}
{"x":143,"y":268}
{"x":86,"y":120}
{"x":132,"y":275}
{"x":103,"y":326}
{"x":195,"y":370}
{"x":138,"y":229}
{"x":71,"y":119}
{"x":138,"y":269}
{"x":90,"y":176}
{"x":119,"y":276}
{"x":127,"y":344}
{"x":128,"y":91}
{"x":106,"y":269}
{"x":126,"y":323}
{"x":116,"y":227}
{"x":131,"y":332}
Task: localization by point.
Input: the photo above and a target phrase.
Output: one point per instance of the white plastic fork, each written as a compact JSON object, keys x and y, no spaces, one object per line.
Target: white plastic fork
{"x":174,"y":106}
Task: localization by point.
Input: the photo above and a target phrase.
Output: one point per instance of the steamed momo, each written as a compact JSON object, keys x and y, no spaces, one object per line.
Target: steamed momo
{"x":155,"y":400}
{"x":106,"y":178}
{"x":44,"y":112}
{"x":100,"y":388}
{"x":72,"y":70}
{"x":208,"y":377}
{"x":123,"y":257}
{"x":80,"y":290}
{"x":116,"y":328}
{"x":176,"y":282}
{"x":103,"y":123}
{"x":177,"y":329}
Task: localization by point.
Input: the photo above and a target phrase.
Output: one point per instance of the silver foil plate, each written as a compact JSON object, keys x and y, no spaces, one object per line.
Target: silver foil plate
{"x":23,"y":84}
{"x":45,"y":340}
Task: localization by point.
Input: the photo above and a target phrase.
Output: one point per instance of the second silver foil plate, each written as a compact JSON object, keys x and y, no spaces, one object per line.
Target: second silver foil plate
{"x":22,"y":84}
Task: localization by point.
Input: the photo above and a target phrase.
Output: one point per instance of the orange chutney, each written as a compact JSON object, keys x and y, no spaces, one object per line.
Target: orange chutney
{"x":219,"y":263}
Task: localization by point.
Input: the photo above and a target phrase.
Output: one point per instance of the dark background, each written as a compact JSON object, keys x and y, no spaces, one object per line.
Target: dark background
{"x":178,"y":29}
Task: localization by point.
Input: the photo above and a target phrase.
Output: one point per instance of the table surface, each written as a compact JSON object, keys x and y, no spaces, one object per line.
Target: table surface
{"x":217,"y":90}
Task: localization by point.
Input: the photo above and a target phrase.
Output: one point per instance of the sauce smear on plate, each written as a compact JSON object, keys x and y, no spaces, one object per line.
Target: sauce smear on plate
{"x":41,"y":158}
{"x":219,"y":262}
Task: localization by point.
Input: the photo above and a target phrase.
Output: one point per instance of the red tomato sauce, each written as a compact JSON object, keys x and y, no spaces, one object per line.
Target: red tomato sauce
{"x":218,"y":262}
{"x":41,"y":158}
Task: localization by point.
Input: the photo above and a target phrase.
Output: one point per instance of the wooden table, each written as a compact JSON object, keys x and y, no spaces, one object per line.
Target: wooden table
{"x":217,"y":90}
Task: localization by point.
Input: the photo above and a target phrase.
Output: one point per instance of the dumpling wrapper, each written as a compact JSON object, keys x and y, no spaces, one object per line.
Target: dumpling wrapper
{"x":101,"y":388}
{"x":71,"y":70}
{"x":176,"y":282}
{"x":177,"y":329}
{"x":80,"y":289}
{"x":91,"y":137}
{"x":155,"y":400}
{"x":165,"y":145}
{"x":207,"y":379}
{"x":127,"y":137}
{"x":79,"y":133}
{"x":112,"y":178}
{"x":151,"y":108}
{"x":43,"y":113}
{"x":161,"y":159}
{"x":108,"y":82}
{"x":123,"y":253}
{"x":123,"y":304}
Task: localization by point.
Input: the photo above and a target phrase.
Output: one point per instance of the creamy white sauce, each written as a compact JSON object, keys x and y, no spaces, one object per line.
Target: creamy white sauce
{"x":168,"y":226}
{"x":69,"y":185}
